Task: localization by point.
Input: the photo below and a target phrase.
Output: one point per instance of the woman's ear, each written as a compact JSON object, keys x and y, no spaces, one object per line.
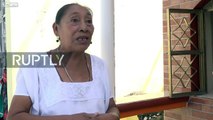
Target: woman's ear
{"x":55,"y":29}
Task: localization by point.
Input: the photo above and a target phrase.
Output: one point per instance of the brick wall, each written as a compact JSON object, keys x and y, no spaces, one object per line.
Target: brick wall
{"x":199,"y":108}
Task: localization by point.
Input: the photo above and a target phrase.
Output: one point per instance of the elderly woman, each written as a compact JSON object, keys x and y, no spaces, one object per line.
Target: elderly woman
{"x":78,"y":89}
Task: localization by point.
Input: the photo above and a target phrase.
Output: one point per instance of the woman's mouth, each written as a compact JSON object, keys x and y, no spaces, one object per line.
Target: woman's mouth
{"x":83,"y":40}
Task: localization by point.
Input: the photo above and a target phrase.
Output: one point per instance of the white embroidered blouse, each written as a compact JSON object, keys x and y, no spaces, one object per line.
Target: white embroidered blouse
{"x":51,"y":96}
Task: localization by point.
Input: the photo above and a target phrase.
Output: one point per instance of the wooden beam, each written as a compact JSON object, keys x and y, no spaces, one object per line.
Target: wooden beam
{"x":149,"y":106}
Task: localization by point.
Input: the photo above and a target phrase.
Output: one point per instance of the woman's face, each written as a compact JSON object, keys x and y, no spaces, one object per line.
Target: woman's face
{"x":75,"y":29}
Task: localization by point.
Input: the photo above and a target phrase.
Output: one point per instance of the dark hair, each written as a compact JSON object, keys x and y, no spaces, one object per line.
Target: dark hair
{"x":62,"y":11}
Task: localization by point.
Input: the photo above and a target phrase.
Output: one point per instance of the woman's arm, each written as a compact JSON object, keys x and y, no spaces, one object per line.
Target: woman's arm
{"x":20,"y":108}
{"x":113,"y":110}
{"x":111,"y":114}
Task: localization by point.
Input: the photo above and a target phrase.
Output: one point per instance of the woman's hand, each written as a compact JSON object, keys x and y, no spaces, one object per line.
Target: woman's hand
{"x":106,"y":116}
{"x":84,"y":116}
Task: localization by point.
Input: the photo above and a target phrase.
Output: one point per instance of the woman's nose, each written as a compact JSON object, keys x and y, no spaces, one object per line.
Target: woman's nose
{"x":83,"y":27}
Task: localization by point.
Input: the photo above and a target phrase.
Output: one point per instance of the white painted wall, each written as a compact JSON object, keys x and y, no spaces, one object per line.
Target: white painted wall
{"x":138,"y":47}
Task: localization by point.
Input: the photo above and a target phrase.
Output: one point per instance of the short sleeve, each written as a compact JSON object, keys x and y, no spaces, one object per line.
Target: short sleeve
{"x":21,"y":88}
{"x":107,"y":82}
{"x":27,"y":85}
{"x":102,"y":69}
{"x":108,"y":88}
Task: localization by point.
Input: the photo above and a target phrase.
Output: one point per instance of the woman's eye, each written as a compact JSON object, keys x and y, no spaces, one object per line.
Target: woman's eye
{"x":89,"y":21}
{"x":75,"y":20}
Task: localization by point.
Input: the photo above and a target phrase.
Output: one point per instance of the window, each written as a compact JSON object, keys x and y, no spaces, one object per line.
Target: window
{"x":190,"y":51}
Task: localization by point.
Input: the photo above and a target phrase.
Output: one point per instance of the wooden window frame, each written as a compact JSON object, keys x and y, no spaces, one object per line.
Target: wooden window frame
{"x":196,"y":54}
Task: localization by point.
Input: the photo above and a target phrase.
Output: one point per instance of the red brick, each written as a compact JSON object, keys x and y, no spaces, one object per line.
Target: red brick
{"x":175,"y":6}
{"x":166,"y":88}
{"x":207,"y":108}
{"x":202,"y":115}
{"x":165,"y":29}
{"x":164,"y":23}
{"x":165,"y":3}
{"x":168,"y":118}
{"x":175,"y":2}
{"x":195,"y":106}
{"x":206,"y":101}
{"x":173,"y":115}
{"x":189,"y":5}
{"x":193,"y":118}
